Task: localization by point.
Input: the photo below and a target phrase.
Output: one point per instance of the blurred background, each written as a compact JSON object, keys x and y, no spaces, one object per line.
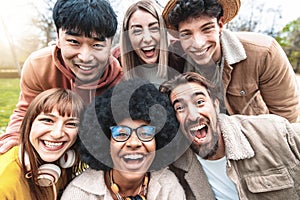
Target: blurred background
{"x":26,"y":25}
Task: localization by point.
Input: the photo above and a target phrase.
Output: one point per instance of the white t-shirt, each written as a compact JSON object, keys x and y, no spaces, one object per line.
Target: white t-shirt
{"x":222,"y":186}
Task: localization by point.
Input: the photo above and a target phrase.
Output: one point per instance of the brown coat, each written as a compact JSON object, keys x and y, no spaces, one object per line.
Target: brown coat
{"x":257,"y":76}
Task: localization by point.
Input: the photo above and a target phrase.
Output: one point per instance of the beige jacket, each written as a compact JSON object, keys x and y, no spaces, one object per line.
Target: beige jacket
{"x":263,"y":159}
{"x":257,"y":76}
{"x":163,"y":185}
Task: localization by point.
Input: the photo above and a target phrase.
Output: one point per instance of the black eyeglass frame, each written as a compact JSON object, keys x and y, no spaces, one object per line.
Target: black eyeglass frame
{"x":130,"y":133}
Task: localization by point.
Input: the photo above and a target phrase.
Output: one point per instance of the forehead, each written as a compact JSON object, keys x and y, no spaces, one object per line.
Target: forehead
{"x":141,"y":17}
{"x":187,"y":91}
{"x":196,"y":22}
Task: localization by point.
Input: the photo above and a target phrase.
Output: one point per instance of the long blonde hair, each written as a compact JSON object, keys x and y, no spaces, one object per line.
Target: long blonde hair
{"x":129,"y":58}
{"x":67,"y":103}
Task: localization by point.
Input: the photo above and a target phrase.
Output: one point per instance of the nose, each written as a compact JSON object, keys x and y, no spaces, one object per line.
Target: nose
{"x":193,"y":113}
{"x":199,"y":40}
{"x":57,"y":131}
{"x":85,"y":54}
{"x":147,"y":36}
{"x":133,"y":141}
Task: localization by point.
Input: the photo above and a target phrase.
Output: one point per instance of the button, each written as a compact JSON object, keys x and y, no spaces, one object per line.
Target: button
{"x":242,"y":92}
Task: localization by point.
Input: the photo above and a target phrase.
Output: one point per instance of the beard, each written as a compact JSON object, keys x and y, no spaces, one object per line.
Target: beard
{"x":207,"y":151}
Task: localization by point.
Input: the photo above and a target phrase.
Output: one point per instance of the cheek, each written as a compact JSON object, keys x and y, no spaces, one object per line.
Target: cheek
{"x":151,"y":146}
{"x":134,"y":40}
{"x":185,"y":43}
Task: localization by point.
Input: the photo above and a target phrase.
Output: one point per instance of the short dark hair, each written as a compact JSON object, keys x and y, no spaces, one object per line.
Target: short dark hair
{"x":168,"y":86}
{"x":86,"y":17}
{"x":185,"y":9}
{"x":136,"y":99}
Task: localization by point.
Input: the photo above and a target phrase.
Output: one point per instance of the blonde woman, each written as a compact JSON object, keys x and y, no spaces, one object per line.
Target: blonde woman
{"x":144,"y":44}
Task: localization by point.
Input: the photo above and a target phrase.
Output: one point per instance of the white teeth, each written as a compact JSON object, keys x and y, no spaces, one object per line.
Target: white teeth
{"x":196,"y":128}
{"x":52,"y":144}
{"x":199,"y":53}
{"x":147,"y":48}
{"x":133,"y":156}
{"x":85,"y":68}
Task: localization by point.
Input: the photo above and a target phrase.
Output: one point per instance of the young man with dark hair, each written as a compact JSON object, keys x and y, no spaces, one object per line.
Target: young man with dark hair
{"x":251,"y":70}
{"x":81,"y":59}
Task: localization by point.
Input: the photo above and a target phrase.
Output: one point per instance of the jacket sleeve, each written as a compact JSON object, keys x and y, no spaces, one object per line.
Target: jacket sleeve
{"x":278,"y":84}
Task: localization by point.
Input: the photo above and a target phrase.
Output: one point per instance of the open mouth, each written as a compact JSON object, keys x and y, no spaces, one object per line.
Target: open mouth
{"x":53,"y":145}
{"x":149,"y":51}
{"x":133,"y":158}
{"x":199,"y":131}
{"x":200,"y":52}
{"x":84,"y":68}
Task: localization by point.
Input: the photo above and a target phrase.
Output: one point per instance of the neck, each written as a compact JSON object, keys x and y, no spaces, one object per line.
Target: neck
{"x":220,"y":153}
{"x":122,"y":186}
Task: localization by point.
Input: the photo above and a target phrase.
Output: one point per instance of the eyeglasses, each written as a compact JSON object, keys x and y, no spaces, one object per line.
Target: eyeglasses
{"x":123,"y":133}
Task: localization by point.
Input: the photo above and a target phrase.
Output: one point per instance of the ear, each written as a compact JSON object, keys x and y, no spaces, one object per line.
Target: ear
{"x":217,"y":105}
{"x":57,"y":39}
{"x":221,"y":23}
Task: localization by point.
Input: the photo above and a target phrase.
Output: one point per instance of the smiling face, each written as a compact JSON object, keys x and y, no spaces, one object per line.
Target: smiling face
{"x":200,"y":39}
{"x":86,"y":57}
{"x":52,"y":134}
{"x":133,"y":155}
{"x":197,"y":115}
{"x":144,"y":35}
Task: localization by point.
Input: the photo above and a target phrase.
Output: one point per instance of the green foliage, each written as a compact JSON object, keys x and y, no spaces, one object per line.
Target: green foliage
{"x":289,"y":39}
{"x":9,"y":90}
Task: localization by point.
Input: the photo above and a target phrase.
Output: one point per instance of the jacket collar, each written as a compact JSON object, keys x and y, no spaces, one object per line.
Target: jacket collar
{"x":237,"y":146}
{"x":232,"y":49}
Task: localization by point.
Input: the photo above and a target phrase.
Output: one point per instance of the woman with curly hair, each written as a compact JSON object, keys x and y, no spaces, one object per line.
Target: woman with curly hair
{"x":128,"y":136}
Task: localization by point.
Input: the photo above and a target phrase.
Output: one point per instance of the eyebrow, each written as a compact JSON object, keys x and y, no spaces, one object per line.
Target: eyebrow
{"x":193,"y":96}
{"x":138,"y":25}
{"x":51,"y":115}
{"x":204,"y":25}
{"x":78,"y":34}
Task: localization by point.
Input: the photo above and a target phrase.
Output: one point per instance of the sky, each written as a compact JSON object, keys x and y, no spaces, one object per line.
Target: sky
{"x":15,"y":15}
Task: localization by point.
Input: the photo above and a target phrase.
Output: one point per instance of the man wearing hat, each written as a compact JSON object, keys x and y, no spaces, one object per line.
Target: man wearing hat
{"x":251,"y":70}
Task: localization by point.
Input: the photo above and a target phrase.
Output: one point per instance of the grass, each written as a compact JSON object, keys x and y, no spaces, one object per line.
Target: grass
{"x":9,"y":90}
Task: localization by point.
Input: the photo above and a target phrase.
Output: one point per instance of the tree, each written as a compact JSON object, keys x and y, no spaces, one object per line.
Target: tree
{"x":256,"y":16}
{"x":44,"y":22}
{"x":289,"y":39}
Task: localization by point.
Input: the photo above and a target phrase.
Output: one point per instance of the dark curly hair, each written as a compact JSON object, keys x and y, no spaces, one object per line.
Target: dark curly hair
{"x":185,"y":9}
{"x":136,"y":99}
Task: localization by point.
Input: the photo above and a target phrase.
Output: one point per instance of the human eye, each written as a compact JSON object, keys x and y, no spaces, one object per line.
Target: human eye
{"x":208,"y":28}
{"x":120,"y":133}
{"x":146,"y":132}
{"x":137,"y":31}
{"x":72,"y":124}
{"x":154,"y":29}
{"x":99,"y":45}
{"x":184,"y":35}
{"x":46,"y":120}
{"x":72,"y":41}
{"x":199,"y":102}
{"x":179,"y":107}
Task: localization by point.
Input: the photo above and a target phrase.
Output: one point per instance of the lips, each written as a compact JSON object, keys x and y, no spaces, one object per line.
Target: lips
{"x":149,"y":51}
{"x":50,"y":145}
{"x":199,"y":52}
{"x":85,"y":68}
{"x":129,"y":158}
{"x":199,"y":131}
